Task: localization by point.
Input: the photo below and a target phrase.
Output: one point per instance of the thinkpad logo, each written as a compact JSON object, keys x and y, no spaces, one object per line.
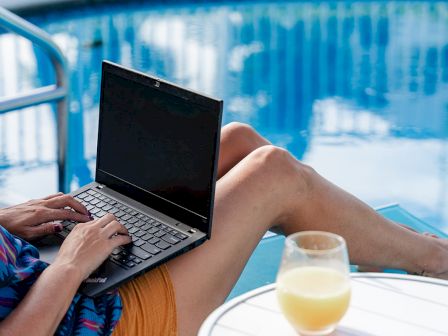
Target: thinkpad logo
{"x":95,"y":280}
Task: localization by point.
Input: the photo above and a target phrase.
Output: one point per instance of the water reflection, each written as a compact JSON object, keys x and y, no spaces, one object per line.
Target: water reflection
{"x":358,"y":89}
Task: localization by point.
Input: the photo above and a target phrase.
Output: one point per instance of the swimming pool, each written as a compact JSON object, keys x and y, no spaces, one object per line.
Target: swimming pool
{"x":359,"y":90}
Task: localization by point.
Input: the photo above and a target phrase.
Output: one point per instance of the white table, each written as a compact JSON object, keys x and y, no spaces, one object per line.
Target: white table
{"x":382,"y":304}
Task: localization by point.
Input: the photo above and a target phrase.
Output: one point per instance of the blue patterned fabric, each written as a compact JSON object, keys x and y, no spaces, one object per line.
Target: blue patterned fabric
{"x":19,"y":269}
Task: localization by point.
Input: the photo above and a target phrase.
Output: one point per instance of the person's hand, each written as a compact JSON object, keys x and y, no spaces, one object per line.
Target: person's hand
{"x":89,"y":244}
{"x":33,"y":219}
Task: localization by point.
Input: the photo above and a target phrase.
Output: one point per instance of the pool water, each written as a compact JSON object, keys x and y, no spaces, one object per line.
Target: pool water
{"x":358,"y":90}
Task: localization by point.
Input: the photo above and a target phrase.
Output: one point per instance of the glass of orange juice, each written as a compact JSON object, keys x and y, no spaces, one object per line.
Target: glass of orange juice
{"x":313,"y":283}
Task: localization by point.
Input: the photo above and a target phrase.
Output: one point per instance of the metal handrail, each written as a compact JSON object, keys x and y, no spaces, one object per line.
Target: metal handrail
{"x":57,"y":92}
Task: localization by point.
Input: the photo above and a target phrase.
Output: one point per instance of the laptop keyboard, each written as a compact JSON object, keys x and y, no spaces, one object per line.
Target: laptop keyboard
{"x":149,"y":236}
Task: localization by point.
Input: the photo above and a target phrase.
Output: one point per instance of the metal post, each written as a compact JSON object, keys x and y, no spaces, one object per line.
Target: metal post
{"x":57,"y":93}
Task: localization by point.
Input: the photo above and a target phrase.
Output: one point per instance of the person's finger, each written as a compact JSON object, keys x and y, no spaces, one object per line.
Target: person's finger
{"x":45,"y":229}
{"x":103,"y":221}
{"x":53,"y":196}
{"x":64,"y":214}
{"x":113,"y":228}
{"x":120,"y":239}
{"x":63,"y":201}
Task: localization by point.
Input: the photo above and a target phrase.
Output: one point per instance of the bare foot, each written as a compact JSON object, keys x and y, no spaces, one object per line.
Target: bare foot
{"x":441,"y":270}
{"x":439,"y":262}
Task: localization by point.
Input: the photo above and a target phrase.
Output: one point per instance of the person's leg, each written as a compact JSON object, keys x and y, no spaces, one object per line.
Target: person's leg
{"x":269,"y":187}
{"x":246,"y":205}
{"x":237,"y":141}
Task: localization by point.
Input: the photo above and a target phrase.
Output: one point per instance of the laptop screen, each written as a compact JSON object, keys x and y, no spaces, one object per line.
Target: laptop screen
{"x":159,"y":142}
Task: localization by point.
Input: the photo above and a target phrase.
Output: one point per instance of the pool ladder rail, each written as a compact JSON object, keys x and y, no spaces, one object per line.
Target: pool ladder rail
{"x":57,"y":92}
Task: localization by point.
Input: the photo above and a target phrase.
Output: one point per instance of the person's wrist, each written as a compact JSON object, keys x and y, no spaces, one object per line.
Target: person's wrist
{"x":69,"y":269}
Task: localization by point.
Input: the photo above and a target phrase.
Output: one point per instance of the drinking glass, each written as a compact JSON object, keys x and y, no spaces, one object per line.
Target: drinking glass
{"x":313,"y":282}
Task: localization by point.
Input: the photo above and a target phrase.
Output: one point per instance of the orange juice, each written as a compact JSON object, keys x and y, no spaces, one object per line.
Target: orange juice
{"x":313,"y":298}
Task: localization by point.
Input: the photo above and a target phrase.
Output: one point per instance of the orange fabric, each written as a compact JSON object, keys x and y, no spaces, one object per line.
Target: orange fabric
{"x":149,"y":306}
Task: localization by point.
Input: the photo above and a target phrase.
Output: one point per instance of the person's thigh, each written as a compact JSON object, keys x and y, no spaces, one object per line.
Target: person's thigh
{"x":247,"y":203}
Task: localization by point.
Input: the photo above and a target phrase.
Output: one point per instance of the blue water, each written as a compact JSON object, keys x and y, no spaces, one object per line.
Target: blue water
{"x":359,"y":90}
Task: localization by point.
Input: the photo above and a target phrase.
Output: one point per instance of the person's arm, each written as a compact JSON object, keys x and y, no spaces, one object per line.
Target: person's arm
{"x":44,"y":306}
{"x":35,"y":218}
{"x":46,"y":303}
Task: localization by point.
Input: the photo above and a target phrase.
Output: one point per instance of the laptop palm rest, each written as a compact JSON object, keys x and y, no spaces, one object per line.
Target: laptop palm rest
{"x":48,"y":248}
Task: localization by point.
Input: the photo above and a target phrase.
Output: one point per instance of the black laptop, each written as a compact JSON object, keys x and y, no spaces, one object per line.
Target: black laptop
{"x":156,"y":172}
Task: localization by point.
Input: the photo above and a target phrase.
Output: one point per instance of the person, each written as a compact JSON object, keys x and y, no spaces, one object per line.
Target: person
{"x":259,"y":187}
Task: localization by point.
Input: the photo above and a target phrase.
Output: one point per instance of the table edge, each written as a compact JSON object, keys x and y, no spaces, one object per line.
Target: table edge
{"x":207,"y":325}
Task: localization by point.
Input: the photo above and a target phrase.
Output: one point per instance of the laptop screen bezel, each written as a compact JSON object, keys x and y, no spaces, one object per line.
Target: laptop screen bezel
{"x":185,"y":216}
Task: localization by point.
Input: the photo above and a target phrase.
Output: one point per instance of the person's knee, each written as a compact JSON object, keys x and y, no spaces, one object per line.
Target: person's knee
{"x":239,"y":132}
{"x":279,"y":166}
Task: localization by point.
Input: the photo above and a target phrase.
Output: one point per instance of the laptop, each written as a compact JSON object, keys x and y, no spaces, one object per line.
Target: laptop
{"x":156,"y":170}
